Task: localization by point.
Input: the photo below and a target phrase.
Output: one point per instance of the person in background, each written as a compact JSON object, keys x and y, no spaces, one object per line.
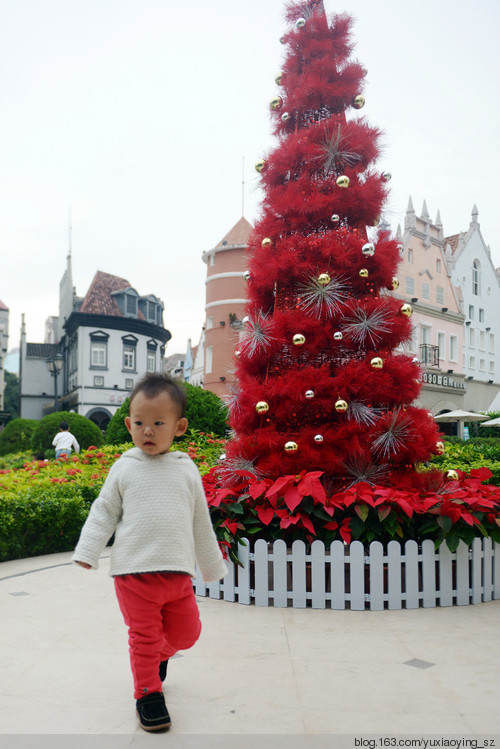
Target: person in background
{"x":64,"y":441}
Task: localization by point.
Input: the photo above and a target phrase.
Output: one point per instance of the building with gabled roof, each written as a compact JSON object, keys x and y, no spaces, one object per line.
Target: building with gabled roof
{"x":4,"y":341}
{"x":107,"y":340}
{"x":225,"y":300}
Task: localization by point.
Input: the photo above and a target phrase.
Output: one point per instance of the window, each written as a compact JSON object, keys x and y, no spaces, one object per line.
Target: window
{"x":410,"y":256}
{"x":438,"y":266}
{"x":492,"y":344}
{"x":442,"y":345}
{"x":410,"y":285}
{"x":472,"y":362}
{"x":482,"y":340}
{"x":129,"y":384}
{"x":471,"y":311}
{"x":98,"y":354}
{"x":425,"y":334}
{"x":482,"y":365}
{"x":453,"y":348}
{"x":426,"y":291}
{"x":208,"y":359}
{"x":440,"y":295}
{"x":131,"y":305}
{"x":210,"y":323}
{"x":128,"y":357}
{"x":472,"y":337}
{"x":492,"y":367}
{"x":151,"y":361}
{"x":98,"y":381}
{"x":212,"y":258}
{"x":476,"y":278}
{"x":481,"y":315}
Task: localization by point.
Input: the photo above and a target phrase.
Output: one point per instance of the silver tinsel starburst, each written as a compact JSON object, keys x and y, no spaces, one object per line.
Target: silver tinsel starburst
{"x":317,"y":298}
{"x":258,"y":334}
{"x":397,"y":432}
{"x":367,"y":327}
{"x":336,"y":153}
{"x":362,"y":413}
{"x":362,"y":470}
{"x":229,"y":475}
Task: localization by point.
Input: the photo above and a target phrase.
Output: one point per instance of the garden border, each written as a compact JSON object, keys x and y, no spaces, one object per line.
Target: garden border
{"x":348,"y":576}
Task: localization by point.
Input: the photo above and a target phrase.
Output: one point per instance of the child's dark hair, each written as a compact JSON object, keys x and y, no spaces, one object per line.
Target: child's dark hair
{"x":64,"y":425}
{"x":154,"y":383}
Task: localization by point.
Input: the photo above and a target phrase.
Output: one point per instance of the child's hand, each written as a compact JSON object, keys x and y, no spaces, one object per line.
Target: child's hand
{"x":84,"y":564}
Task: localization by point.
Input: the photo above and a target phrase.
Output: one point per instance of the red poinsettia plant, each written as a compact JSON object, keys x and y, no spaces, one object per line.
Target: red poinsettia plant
{"x":442,"y":508}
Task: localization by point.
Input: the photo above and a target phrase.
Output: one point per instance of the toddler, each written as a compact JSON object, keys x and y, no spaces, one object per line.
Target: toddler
{"x":64,"y":441}
{"x":154,"y":503}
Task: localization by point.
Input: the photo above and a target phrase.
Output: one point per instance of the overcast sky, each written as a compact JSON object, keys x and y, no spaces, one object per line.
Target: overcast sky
{"x":136,"y":114}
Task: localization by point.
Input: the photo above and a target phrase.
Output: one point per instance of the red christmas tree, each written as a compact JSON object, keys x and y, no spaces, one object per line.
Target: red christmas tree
{"x":326,"y":440}
{"x":320,"y":386}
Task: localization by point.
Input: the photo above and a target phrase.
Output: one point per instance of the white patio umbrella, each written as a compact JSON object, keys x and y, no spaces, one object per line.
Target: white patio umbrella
{"x":492,"y":423}
{"x":460,"y":415}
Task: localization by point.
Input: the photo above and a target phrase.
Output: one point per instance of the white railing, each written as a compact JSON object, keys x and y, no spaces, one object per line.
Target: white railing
{"x":349,"y":576}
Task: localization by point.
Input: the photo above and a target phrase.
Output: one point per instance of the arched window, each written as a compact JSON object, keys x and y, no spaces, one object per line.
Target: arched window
{"x":476,"y":278}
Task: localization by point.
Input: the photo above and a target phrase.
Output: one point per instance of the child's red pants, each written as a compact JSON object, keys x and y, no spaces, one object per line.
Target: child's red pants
{"x":160,"y":610}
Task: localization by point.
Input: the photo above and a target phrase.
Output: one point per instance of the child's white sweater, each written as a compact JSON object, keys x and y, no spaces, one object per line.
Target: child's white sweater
{"x":156,"y":506}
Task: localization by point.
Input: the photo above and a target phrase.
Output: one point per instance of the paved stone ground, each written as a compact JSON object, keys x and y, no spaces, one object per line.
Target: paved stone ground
{"x":65,"y":670}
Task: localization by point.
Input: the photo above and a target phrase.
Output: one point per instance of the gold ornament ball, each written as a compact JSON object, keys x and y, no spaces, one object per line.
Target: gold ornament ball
{"x":376,"y":221}
{"x":343,"y":181}
{"x":453,"y":475}
{"x":386,"y":176}
{"x":300,"y":23}
{"x":309,"y":394}
{"x":377,"y":362}
{"x":266,"y":243}
{"x":299,"y":339}
{"x":395,"y":283}
{"x":318,"y":438}
{"x":285,"y":117}
{"x":337,"y":336}
{"x":439,"y":448}
{"x":259,"y":165}
{"x":358,"y":102}
{"x":324,"y":279}
{"x":276,"y":102}
{"x":364,"y":273}
{"x":262,"y":407}
{"x":291,"y":447}
{"x":341,"y":406}
{"x":278,"y":78}
{"x":406,"y":310}
{"x":368,"y":249}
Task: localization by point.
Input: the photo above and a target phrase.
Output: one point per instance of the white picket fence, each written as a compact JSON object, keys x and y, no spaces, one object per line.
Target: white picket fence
{"x":346,"y":576}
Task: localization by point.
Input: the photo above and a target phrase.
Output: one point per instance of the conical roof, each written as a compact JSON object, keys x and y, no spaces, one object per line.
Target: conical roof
{"x":238,"y":235}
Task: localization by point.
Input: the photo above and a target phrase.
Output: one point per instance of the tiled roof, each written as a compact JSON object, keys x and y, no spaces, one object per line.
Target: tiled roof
{"x":238,"y":235}
{"x":452,"y":241}
{"x":3,"y":306}
{"x":42,"y":350}
{"x":98,"y":299}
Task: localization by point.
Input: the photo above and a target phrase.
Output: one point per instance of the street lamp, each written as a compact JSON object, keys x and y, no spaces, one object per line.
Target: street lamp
{"x":54,"y":365}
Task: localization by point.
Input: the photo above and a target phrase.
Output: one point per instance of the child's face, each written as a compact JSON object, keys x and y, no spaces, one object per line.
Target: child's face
{"x":154,"y":422}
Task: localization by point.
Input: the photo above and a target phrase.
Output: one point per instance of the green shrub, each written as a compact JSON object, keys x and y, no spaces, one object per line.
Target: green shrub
{"x":205,"y":412}
{"x":86,"y":432}
{"x":17,"y":436}
{"x":116,"y":431}
{"x":36,"y":523}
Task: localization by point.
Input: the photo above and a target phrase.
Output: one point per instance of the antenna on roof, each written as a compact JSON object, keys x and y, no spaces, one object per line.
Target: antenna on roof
{"x":242,"y":185}
{"x":70,"y":229}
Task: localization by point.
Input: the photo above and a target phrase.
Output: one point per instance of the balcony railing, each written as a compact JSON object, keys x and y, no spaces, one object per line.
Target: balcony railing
{"x":429,"y":354}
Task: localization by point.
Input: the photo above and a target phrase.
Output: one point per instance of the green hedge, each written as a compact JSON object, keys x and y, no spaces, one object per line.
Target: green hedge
{"x":38,"y":522}
{"x":16,"y":436}
{"x":86,"y":432}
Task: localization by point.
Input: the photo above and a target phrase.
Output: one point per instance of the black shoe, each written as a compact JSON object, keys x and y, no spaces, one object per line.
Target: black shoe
{"x":152,"y":712}
{"x":163,"y":670}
